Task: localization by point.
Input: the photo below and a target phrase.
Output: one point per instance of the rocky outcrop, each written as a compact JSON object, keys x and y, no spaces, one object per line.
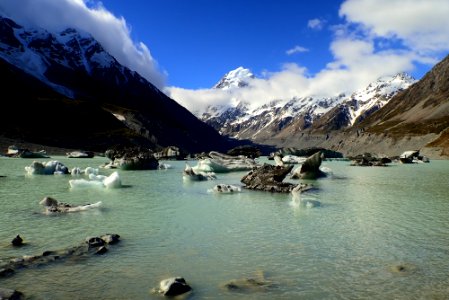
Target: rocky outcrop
{"x":245,"y":150}
{"x":90,"y":246}
{"x":269,"y":178}
{"x":369,"y":160}
{"x":132,"y":158}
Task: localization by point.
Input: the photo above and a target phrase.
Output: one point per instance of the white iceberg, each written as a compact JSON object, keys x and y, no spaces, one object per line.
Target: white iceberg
{"x":221,"y":163}
{"x":98,"y":181}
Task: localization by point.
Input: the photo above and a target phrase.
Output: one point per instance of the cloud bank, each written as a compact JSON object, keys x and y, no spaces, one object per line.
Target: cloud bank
{"x":110,"y":31}
{"x":375,"y":38}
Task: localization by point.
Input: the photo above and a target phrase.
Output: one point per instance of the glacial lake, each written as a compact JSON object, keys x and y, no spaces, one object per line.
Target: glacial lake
{"x":372,"y":222}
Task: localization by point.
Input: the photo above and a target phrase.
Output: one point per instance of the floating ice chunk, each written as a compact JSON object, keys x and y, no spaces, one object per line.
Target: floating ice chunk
{"x":46,"y":168}
{"x":90,"y":170}
{"x":76,"y":171}
{"x":190,"y":175}
{"x":113,"y":181}
{"x":97,"y":177}
{"x":225,"y":189}
{"x":83,"y":183}
{"x":164,"y":166}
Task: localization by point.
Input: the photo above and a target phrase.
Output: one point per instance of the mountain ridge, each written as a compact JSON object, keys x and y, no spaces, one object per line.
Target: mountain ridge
{"x":75,"y":67}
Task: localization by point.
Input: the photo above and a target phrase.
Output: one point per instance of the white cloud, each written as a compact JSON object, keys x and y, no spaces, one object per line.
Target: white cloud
{"x":421,"y":25}
{"x":316,"y":24}
{"x":110,"y":31}
{"x":296,"y":49}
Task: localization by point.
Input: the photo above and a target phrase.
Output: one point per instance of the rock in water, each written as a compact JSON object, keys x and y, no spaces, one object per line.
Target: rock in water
{"x":17,"y":241}
{"x":8,"y":294}
{"x":133,"y":158}
{"x":269,"y":178}
{"x":174,"y":286}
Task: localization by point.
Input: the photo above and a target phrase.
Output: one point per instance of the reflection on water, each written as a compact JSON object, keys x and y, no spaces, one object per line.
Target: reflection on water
{"x":377,"y":233}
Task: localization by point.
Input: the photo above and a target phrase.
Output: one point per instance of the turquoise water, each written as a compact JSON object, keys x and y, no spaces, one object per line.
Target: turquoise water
{"x":370,"y":220}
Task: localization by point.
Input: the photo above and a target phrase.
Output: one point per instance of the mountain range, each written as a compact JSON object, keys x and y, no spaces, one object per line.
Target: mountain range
{"x":63,"y":89}
{"x":390,"y":115}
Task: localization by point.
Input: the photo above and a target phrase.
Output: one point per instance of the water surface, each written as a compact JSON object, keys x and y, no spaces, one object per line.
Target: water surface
{"x":370,"y":221}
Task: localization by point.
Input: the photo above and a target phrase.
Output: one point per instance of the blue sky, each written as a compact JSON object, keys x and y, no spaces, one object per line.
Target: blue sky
{"x":295,"y":48}
{"x":198,"y":41}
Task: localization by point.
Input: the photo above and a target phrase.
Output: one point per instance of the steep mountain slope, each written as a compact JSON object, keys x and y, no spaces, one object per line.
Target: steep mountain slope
{"x":423,"y":108}
{"x":76,"y":66}
{"x":264,"y":123}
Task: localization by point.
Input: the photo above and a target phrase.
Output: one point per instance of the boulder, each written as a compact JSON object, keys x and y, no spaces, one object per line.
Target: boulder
{"x":174,"y":286}
{"x":133,"y":158}
{"x":269,"y":178}
{"x":17,"y":241}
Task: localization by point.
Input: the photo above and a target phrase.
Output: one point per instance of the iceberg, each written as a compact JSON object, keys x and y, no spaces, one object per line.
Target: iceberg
{"x":52,"y":167}
{"x":97,"y":181}
{"x":222,"y":163}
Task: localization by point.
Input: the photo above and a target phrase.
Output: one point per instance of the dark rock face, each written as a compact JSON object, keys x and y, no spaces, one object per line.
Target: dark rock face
{"x":71,"y":76}
{"x":174,"y":286}
{"x":246,"y":150}
{"x":132,"y":158}
{"x":269,"y":178}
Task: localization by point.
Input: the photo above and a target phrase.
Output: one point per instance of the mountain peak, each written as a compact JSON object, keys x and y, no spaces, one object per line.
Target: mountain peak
{"x":235,"y":79}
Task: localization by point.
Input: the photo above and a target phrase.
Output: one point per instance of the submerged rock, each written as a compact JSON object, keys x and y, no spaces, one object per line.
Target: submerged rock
{"x":269,"y":178}
{"x":8,"y":294}
{"x":50,"y":256}
{"x":403,"y":269}
{"x":257,"y":283}
{"x":53,"y":206}
{"x":174,"y":286}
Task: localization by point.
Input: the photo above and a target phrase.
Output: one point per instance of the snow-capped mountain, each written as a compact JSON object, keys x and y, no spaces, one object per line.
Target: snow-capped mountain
{"x":73,"y":64}
{"x":235,"y":79}
{"x":341,"y":111}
